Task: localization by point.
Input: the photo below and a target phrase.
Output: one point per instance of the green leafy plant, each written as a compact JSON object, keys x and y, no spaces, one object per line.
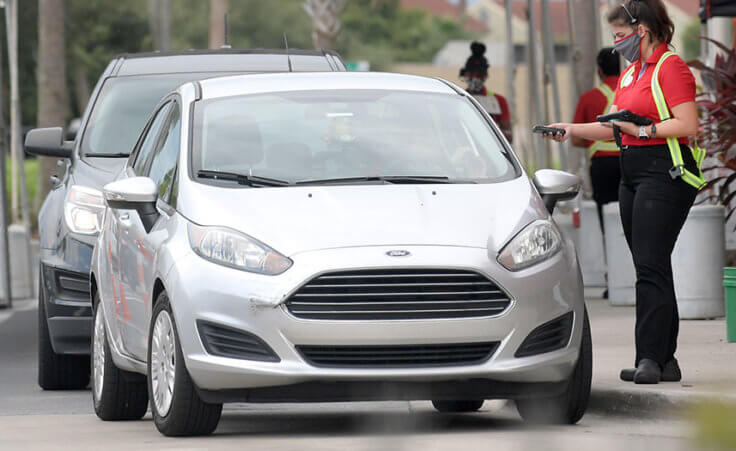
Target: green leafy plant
{"x":717,"y":105}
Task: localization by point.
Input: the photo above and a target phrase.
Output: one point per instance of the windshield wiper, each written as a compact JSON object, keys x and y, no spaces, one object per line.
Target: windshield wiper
{"x":107,"y":155}
{"x":242,"y":179}
{"x":393,"y":179}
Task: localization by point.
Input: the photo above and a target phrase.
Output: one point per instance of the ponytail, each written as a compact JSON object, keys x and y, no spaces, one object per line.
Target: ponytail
{"x":651,"y":13}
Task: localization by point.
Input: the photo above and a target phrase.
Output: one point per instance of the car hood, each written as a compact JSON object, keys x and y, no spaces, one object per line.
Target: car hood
{"x":84,"y":173}
{"x":299,"y":219}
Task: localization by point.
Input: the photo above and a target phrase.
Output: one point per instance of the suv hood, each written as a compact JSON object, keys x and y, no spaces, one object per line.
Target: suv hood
{"x":299,"y":219}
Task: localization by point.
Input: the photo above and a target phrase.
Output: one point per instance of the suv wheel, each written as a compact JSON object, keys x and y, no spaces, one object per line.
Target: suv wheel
{"x":458,"y":406}
{"x":176,"y":406}
{"x":116,"y":394}
{"x":569,"y":407}
{"x":57,"y":371}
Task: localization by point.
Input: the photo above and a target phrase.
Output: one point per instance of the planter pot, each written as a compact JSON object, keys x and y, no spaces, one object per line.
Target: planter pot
{"x":588,"y":242}
{"x":621,"y":273}
{"x":697,"y":263}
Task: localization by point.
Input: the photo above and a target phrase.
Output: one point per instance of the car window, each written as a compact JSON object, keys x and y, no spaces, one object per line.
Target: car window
{"x":163,"y":163}
{"x":303,"y":135}
{"x":149,"y":142}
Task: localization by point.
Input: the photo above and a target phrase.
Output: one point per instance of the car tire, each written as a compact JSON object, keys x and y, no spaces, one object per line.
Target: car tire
{"x":116,"y":394}
{"x":458,"y":406}
{"x":569,"y":407}
{"x":186,"y":414}
{"x":57,"y":371}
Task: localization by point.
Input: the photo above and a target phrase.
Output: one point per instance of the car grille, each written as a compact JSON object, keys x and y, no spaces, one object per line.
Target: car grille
{"x":396,"y":294}
{"x":398,"y":356}
{"x":233,"y":343}
{"x":547,"y":337}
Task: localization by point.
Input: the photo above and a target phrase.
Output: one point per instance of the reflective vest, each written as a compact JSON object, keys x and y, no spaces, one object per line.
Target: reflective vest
{"x":605,"y":146}
{"x":678,"y":167}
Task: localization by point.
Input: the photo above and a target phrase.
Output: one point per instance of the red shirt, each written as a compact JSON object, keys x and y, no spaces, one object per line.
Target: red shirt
{"x":591,"y":105}
{"x":678,"y":86}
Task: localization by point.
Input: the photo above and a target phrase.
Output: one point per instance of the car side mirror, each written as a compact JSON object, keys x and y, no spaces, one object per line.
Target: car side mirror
{"x":555,"y":186}
{"x":134,"y":193}
{"x":72,"y":129}
{"x":48,"y":142}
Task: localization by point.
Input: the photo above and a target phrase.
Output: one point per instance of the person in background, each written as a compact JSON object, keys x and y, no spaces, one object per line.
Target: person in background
{"x":475,"y":73}
{"x":605,"y":171}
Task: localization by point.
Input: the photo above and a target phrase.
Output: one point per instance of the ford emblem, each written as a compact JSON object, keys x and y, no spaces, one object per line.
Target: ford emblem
{"x":398,"y":253}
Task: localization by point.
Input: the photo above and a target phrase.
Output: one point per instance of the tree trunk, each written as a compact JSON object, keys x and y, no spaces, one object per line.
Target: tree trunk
{"x":159,"y":21}
{"x":52,"y":93}
{"x":325,"y":15}
{"x":81,"y":87}
{"x":218,"y":10}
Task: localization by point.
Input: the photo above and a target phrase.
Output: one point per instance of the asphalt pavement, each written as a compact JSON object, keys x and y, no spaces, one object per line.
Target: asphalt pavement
{"x":31,"y":419}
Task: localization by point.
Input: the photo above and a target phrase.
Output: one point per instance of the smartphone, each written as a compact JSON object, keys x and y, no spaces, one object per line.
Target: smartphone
{"x":548,"y":130}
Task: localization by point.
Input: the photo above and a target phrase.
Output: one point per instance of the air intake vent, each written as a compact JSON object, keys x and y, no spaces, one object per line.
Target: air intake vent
{"x":398,"y":356}
{"x":397,"y":294}
{"x":547,"y":337}
{"x":228,"y":342}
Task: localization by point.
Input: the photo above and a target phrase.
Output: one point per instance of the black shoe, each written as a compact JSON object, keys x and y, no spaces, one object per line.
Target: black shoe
{"x":647,"y":372}
{"x":670,"y":373}
{"x":605,"y":294}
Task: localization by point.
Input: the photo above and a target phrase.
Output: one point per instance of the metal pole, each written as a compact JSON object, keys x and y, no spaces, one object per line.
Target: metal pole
{"x":551,"y":68}
{"x":4,"y":250}
{"x":16,"y":148}
{"x":510,"y":61}
{"x":542,"y":161}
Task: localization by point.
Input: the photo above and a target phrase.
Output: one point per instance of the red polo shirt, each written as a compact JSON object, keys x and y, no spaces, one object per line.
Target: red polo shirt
{"x":678,"y":86}
{"x":591,"y":105}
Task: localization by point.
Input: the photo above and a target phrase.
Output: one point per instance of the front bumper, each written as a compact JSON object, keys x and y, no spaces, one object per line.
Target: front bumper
{"x":200,"y":290}
{"x":65,"y":284}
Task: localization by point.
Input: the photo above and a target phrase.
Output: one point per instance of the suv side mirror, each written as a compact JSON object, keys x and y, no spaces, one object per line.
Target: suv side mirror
{"x":72,"y":129}
{"x":556,"y":186}
{"x":48,"y":142}
{"x":134,"y":193}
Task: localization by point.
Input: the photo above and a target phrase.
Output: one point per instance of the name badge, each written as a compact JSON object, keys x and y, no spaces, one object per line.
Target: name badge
{"x":490,"y":103}
{"x":628,"y":79}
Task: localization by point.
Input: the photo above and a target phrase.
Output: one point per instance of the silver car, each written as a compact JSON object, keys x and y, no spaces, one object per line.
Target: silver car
{"x":332,"y":237}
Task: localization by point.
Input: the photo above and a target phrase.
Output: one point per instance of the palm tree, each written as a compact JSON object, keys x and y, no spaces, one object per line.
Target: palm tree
{"x":325,"y":15}
{"x":218,"y":10}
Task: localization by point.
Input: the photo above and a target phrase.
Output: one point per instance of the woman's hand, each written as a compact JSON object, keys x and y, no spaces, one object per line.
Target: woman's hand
{"x":628,"y":127}
{"x":558,"y":137}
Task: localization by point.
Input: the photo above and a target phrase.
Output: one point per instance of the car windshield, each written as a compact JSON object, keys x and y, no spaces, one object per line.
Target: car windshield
{"x":356,"y":136}
{"x":122,"y":109}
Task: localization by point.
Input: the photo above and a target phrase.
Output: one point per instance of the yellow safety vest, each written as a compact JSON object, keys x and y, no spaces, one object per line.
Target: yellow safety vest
{"x":606,"y":146}
{"x":678,"y":167}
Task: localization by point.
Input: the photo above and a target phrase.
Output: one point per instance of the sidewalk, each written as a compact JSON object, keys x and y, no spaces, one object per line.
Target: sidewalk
{"x":707,"y":360}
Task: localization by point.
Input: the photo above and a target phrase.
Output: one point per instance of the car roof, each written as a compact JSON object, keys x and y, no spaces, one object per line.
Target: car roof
{"x":226,"y":60}
{"x":262,"y":83}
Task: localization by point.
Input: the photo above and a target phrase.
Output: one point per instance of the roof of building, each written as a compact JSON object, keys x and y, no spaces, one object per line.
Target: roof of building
{"x":443,"y":8}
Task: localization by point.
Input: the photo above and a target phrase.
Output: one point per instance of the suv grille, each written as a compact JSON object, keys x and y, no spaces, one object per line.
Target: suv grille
{"x":395,"y":294}
{"x":398,"y":356}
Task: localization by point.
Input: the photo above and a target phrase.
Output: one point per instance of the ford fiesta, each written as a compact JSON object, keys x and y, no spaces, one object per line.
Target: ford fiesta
{"x":332,"y":237}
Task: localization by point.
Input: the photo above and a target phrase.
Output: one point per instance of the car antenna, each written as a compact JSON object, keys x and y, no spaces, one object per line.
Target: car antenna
{"x":226,"y":44}
{"x":288,"y":58}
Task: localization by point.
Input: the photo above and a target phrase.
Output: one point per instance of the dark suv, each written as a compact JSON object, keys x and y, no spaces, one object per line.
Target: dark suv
{"x":71,"y":214}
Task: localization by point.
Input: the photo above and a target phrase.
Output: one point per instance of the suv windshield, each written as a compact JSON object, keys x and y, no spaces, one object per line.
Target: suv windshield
{"x":313,"y":136}
{"x":122,"y":109}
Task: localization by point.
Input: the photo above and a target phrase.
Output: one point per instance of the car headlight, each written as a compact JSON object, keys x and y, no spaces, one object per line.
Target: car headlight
{"x":236,"y":250}
{"x":84,"y":209}
{"x":536,"y":242}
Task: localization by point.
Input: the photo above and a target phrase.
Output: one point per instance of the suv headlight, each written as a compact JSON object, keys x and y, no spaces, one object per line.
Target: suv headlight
{"x":236,"y":250}
{"x":536,"y":242}
{"x":84,"y":209}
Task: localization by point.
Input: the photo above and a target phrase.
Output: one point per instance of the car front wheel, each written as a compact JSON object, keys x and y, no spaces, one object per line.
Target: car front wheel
{"x":176,"y":406}
{"x":570,"y":406}
{"x":116,"y":394}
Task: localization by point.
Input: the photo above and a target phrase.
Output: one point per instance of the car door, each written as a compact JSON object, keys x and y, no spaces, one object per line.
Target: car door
{"x":125,"y":222}
{"x":138,"y":259}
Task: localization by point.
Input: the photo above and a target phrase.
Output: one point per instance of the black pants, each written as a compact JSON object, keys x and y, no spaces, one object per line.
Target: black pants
{"x":605,"y":177}
{"x":653,"y":209}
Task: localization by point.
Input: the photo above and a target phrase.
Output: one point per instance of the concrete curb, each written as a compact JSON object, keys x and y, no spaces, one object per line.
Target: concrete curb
{"x":643,"y":403}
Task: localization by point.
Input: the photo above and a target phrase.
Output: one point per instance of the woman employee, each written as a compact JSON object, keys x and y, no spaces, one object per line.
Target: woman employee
{"x":659,"y":173}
